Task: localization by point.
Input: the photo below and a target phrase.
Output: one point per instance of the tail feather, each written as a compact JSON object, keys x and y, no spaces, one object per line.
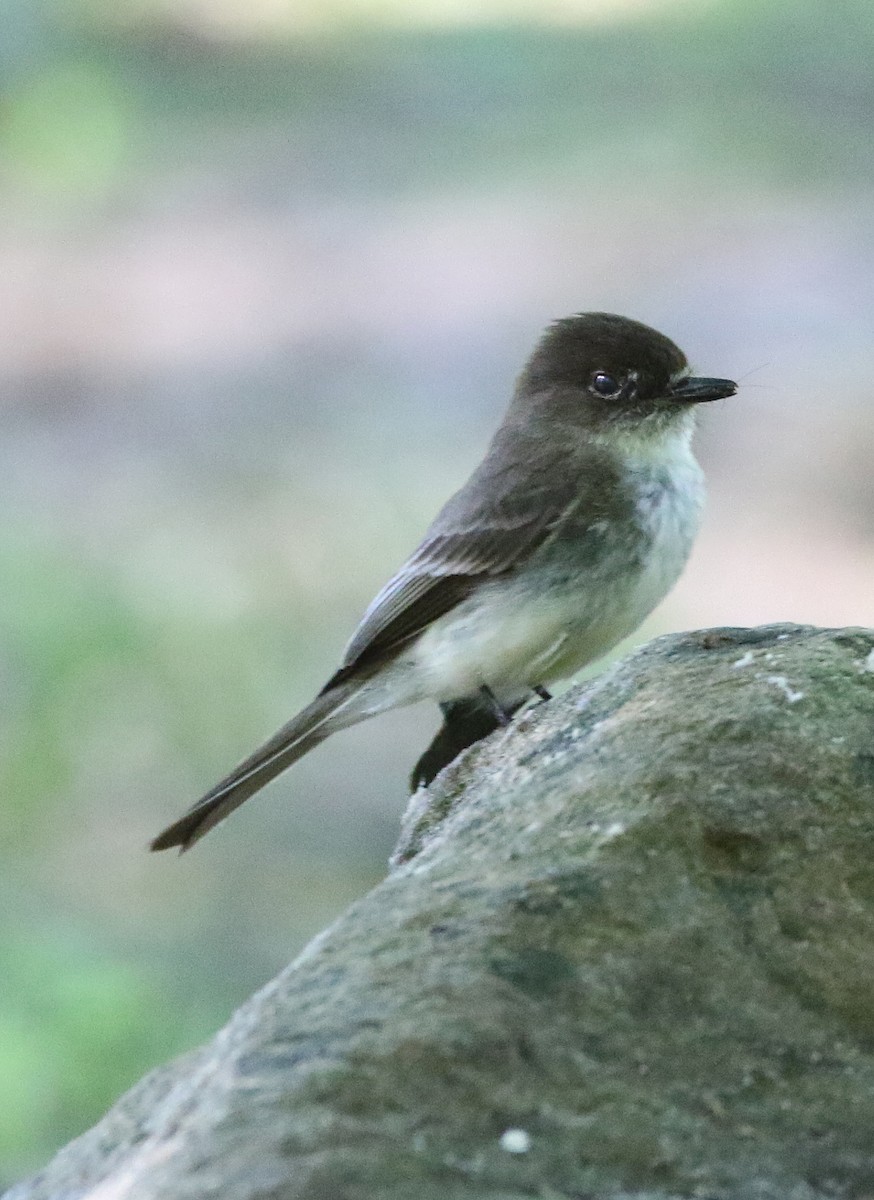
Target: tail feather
{"x":293,"y":740}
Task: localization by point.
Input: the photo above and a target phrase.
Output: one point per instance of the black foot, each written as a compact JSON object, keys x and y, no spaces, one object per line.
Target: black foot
{"x":540,"y":690}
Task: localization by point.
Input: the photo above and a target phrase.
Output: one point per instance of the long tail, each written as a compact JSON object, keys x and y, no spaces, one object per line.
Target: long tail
{"x":293,"y":740}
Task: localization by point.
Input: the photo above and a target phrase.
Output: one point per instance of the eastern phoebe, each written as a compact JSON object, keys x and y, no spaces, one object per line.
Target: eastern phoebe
{"x":574,"y":526}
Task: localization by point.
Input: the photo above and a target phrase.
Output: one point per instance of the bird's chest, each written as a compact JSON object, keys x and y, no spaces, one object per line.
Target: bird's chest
{"x":600,"y":579}
{"x":587,"y":587}
{"x":666,"y":511}
{"x":633,"y":552}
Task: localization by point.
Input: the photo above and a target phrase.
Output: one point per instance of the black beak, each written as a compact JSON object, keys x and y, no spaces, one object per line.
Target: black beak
{"x":696,"y":391}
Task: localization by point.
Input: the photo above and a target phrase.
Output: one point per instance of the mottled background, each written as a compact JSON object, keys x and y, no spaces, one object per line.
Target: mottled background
{"x":267,"y":271}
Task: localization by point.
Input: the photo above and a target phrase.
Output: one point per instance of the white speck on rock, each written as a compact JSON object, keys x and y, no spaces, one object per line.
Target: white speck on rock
{"x":782,"y":683}
{"x":744,"y":661}
{"x":868,"y":664}
{"x":614,"y":829}
{"x":516,"y":1141}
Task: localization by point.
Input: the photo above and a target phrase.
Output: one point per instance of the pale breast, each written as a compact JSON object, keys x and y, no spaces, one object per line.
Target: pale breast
{"x":668,"y":512}
{"x":588,"y":588}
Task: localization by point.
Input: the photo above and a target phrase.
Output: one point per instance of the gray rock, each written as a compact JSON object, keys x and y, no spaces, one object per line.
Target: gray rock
{"x":626,"y":950}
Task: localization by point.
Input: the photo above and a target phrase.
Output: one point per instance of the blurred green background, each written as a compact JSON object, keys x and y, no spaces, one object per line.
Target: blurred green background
{"x":268,"y":270}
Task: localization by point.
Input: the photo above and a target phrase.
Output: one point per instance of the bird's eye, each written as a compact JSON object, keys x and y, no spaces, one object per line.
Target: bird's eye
{"x":604,"y":384}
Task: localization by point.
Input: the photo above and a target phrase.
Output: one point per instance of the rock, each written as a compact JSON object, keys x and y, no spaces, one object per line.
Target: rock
{"x":626,"y":950}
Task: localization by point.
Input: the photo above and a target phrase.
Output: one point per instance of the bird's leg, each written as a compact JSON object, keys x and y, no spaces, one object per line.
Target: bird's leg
{"x":464,"y":722}
{"x":501,"y":714}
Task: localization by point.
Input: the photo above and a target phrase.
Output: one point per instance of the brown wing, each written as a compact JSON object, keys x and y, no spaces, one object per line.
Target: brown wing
{"x":441,"y":573}
{"x":498,"y":519}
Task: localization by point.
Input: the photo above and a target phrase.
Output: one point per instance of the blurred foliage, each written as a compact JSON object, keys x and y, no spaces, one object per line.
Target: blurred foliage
{"x":66,"y":129}
{"x":100,"y":685}
{"x":408,"y":108}
{"x":76,"y":1018}
{"x":136,"y":664}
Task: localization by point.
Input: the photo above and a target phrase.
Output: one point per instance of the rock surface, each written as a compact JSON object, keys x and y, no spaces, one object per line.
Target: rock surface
{"x":626,"y":950}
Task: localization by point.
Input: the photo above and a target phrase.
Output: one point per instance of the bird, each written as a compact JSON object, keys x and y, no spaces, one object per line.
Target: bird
{"x":573,"y":527}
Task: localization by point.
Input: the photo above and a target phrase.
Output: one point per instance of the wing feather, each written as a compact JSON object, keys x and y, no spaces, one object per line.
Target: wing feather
{"x":521,"y":491}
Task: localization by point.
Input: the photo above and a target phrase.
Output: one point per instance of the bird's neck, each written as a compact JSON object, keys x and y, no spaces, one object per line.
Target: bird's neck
{"x":647,"y":445}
